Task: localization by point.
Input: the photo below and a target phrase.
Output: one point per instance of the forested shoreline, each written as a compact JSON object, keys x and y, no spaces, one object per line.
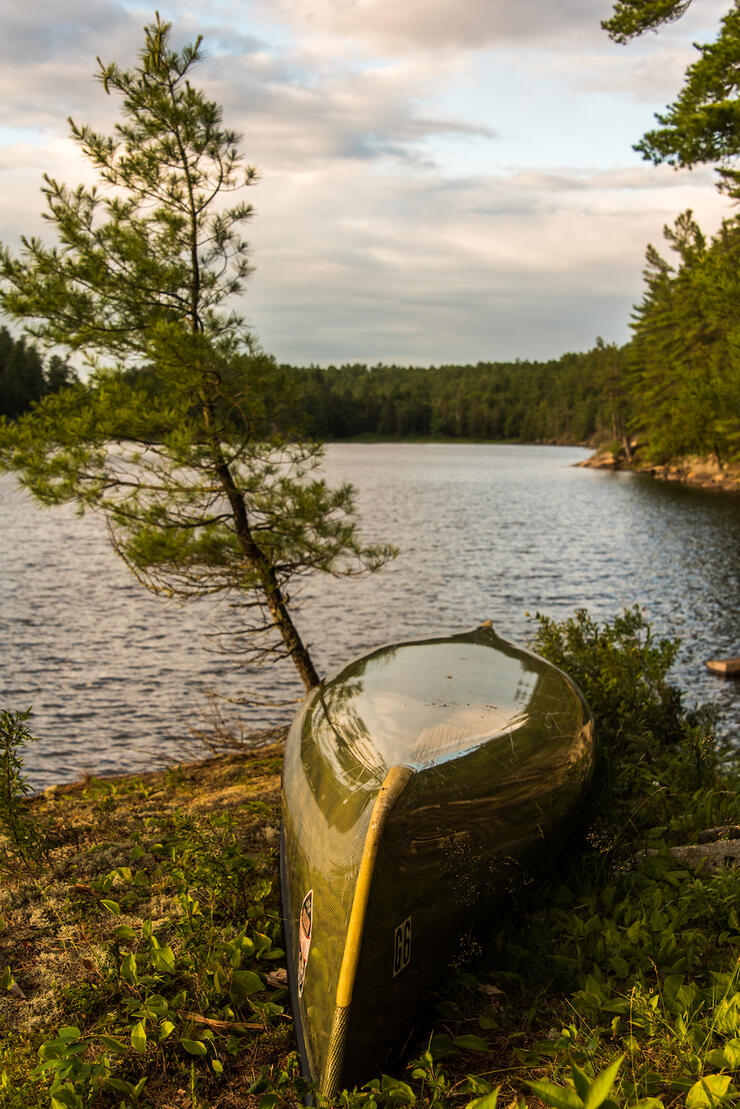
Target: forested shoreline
{"x":674,"y":388}
{"x":24,"y":377}
{"x":564,"y":400}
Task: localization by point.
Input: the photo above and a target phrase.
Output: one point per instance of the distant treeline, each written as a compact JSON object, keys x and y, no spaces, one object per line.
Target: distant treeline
{"x":565,"y":400}
{"x":568,"y":400}
{"x":675,"y":385}
{"x":24,"y":378}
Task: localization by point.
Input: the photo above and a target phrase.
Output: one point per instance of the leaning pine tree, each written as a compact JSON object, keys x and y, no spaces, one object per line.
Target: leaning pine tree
{"x":171,"y":439}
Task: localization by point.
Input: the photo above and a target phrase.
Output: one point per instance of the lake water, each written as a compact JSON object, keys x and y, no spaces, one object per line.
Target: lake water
{"x":116,"y":676}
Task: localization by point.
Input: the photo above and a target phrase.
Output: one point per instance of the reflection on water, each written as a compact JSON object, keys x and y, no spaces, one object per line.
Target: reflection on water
{"x":486,"y":532}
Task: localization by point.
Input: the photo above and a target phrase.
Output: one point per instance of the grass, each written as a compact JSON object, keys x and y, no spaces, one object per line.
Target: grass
{"x":156,"y":905}
{"x":140,"y":932}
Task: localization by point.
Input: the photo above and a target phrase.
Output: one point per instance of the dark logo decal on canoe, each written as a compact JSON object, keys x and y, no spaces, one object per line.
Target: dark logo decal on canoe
{"x":402,"y":946}
{"x":305,"y":927}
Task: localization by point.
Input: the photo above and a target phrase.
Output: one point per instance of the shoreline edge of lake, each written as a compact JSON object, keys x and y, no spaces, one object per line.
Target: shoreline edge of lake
{"x":702,"y":471}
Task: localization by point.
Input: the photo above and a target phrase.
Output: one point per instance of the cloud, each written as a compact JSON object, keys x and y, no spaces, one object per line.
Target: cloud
{"x":521,"y":265}
{"x":293,"y":102}
{"x":357,"y":116}
{"x":653,"y":76}
{"x":413,"y":25}
{"x":439,"y":203}
{"x":59,"y":28}
{"x":47,"y":55}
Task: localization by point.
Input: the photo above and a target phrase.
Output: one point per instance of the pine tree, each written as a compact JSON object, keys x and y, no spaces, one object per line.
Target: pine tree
{"x":702,"y":126}
{"x":684,"y":356}
{"x":633,"y":17}
{"x":172,"y":439}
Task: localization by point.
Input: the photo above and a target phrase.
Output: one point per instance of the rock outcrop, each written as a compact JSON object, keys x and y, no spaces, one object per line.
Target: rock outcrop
{"x":706,"y":472}
{"x":715,"y":848}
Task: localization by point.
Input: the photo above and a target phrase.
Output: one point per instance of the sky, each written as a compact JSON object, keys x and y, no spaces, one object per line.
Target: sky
{"x":442,"y":181}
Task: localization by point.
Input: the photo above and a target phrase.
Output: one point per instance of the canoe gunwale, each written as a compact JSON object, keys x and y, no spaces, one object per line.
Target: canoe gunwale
{"x":290,"y":963}
{"x":393,"y":786}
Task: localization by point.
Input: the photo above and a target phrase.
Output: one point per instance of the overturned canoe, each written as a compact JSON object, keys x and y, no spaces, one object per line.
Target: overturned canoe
{"x":414,"y":780}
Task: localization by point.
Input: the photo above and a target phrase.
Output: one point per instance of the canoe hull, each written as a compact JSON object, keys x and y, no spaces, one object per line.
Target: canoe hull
{"x":450,"y":846}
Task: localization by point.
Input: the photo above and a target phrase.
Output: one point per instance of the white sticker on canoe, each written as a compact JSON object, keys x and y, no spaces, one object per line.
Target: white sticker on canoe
{"x":305,"y":927}
{"x":402,"y":946}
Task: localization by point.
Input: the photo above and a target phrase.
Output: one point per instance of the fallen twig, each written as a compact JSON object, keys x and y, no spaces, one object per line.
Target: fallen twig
{"x":221,"y":1025}
{"x":226,"y":1025}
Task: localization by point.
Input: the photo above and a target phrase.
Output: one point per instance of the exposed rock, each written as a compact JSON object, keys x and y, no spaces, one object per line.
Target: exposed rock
{"x":602,"y":460}
{"x":709,"y":856}
{"x":725,"y":667}
{"x":722,"y":831}
{"x":692,"y":470}
{"x":715,"y":848}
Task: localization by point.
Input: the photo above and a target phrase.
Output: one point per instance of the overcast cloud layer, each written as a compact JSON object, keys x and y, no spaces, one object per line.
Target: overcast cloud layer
{"x":440,"y":181}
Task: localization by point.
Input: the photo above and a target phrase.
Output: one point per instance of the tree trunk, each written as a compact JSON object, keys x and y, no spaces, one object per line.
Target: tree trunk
{"x":273,"y":594}
{"x":718,"y":458}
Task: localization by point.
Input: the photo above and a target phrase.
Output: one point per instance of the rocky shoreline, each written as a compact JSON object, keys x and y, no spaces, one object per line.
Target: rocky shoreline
{"x":705,"y":472}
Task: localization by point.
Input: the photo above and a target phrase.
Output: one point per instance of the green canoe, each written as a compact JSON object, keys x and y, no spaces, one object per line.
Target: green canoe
{"x":414,"y":780}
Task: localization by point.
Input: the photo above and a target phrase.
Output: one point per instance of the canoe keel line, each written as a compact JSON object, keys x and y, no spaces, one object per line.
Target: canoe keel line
{"x":393,"y":786}
{"x":417,"y":783}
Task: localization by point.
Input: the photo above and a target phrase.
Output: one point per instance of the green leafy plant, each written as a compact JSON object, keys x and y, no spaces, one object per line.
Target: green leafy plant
{"x":25,"y":841}
{"x":170,"y":932}
{"x":76,"y":1081}
{"x":585,"y":1093}
{"x":623,"y":671}
{"x":649,"y":747}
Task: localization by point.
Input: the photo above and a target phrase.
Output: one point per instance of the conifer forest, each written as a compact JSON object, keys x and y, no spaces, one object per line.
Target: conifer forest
{"x":675,"y":386}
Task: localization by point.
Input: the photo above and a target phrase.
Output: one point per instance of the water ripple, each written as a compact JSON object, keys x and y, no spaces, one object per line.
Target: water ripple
{"x":116,"y":675}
